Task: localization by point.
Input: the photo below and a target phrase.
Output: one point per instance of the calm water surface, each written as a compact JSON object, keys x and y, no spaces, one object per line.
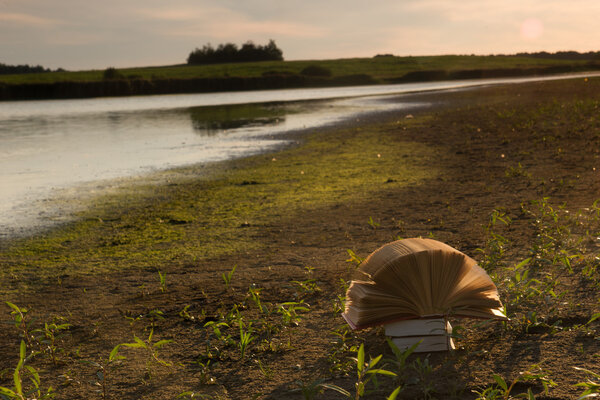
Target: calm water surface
{"x":48,"y":146}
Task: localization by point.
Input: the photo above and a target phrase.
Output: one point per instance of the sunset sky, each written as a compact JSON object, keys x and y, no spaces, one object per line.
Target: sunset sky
{"x":76,"y":34}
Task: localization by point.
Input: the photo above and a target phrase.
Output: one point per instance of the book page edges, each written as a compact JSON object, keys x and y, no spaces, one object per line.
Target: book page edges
{"x":494,"y":314}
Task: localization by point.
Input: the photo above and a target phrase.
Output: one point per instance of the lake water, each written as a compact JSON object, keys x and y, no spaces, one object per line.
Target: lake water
{"x":48,"y":146}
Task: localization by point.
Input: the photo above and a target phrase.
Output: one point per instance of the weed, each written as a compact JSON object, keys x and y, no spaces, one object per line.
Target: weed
{"x":18,"y":391}
{"x":245,"y":337}
{"x":339,"y":363}
{"x":592,"y":388}
{"x":227,"y":276}
{"x":104,"y":370}
{"x":289,"y":312}
{"x":265,"y":370}
{"x":493,"y":252}
{"x":289,"y":315}
{"x":254,"y":294}
{"x":306,"y":287}
{"x":354,"y":259}
{"x":373,"y":224}
{"x":163,"y":281}
{"x":400,"y":357}
{"x":423,"y":370}
{"x":186,"y":315}
{"x":150,"y":348}
{"x":501,"y":390}
{"x":21,"y":322}
{"x":339,"y":303}
{"x":154,"y":316}
{"x":216,"y":329}
{"x":367,"y":372}
{"x":50,"y":333}
{"x":518,"y":171}
{"x":205,"y":377}
{"x":312,"y":389}
{"x":520,"y":287}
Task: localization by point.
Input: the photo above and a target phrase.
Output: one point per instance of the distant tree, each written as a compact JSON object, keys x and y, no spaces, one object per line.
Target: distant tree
{"x":229,"y":52}
{"x":316,"y":70}
{"x":21,"y":69}
{"x":564,"y":55}
{"x":112,"y":73}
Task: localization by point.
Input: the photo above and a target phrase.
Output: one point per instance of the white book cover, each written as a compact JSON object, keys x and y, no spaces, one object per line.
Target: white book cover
{"x":428,"y":343}
{"x":418,"y":327}
{"x":434,"y":334}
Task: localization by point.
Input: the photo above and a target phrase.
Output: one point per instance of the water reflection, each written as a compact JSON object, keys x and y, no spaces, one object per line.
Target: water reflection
{"x":211,"y":121}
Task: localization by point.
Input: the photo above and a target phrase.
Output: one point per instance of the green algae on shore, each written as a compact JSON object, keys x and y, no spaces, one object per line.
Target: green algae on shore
{"x":216,"y":209}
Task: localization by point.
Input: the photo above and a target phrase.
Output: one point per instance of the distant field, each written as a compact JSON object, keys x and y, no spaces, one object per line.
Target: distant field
{"x":379,"y":68}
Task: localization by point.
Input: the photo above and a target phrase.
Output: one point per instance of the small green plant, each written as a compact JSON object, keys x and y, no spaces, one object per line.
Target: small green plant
{"x":400,"y":357}
{"x":493,"y":252}
{"x":502,"y":390}
{"x":151,"y":349}
{"x":339,"y":303}
{"x":254,"y":294}
{"x":205,"y":377}
{"x":289,"y":312}
{"x":306,"y":287}
{"x":154,"y":316}
{"x":592,"y":388}
{"x":21,"y":322}
{"x":343,"y":344}
{"x":245,"y":337}
{"x":265,"y":370}
{"x":50,"y":333}
{"x":310,"y":390}
{"x":354,"y":259}
{"x":517,"y":171}
{"x":18,"y":391}
{"x":520,"y":286}
{"x":216,"y":329}
{"x":227,"y":276}
{"x":423,"y":370}
{"x":373,"y":224}
{"x":366,"y":372}
{"x":163,"y":281}
{"x":104,"y":370}
{"x":289,"y":315}
{"x":186,"y":315}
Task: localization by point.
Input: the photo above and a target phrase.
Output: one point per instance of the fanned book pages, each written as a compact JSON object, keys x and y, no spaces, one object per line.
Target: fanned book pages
{"x":419,"y":278}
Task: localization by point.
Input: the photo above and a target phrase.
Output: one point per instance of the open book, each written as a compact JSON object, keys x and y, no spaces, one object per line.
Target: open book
{"x":419,"y":278}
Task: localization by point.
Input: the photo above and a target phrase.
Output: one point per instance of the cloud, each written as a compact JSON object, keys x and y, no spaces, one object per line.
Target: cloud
{"x":224,"y":24}
{"x":27,"y":19}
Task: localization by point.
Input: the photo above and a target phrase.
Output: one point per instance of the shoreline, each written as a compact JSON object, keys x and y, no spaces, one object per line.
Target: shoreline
{"x":56,"y":214}
{"x":61,"y":207}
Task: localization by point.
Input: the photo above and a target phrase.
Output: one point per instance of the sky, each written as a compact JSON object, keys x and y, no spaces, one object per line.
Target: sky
{"x":83,"y":34}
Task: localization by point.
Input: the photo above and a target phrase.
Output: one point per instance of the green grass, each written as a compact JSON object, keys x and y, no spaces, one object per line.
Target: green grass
{"x":222,"y":211}
{"x":380,"y":68}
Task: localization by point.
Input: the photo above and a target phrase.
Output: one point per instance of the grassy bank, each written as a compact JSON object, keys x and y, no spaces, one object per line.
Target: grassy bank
{"x":227,"y":281}
{"x":379,"y":68}
{"x":275,"y":75}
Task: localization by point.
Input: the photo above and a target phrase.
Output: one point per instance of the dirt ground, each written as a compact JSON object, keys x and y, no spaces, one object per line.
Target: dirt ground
{"x":498,"y":148}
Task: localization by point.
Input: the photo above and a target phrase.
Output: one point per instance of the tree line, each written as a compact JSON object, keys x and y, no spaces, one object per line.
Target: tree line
{"x":230,"y":52}
{"x":563,"y":55}
{"x":21,"y":69}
